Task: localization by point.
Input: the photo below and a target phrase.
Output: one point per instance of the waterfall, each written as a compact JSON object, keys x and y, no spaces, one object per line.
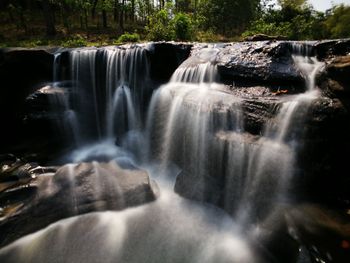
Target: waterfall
{"x":60,"y":101}
{"x":307,"y":63}
{"x":193,"y":124}
{"x":198,"y":68}
{"x":199,"y":127}
{"x":110,"y":84}
{"x":191,"y":138}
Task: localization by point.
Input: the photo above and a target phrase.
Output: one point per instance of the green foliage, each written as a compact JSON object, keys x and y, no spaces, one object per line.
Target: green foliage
{"x":292,"y":3}
{"x":127,"y":38}
{"x":164,"y":25}
{"x":338,"y":23}
{"x":227,"y":17}
{"x":160,"y":26}
{"x":207,"y":36}
{"x":294,"y":21}
{"x":183,"y":26}
{"x":76,"y":41}
{"x":25,"y":23}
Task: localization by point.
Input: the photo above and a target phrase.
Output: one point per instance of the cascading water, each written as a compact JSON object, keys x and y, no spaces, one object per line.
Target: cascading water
{"x":111,"y":86}
{"x":194,"y":128}
{"x":112,"y":93}
{"x":199,"y":68}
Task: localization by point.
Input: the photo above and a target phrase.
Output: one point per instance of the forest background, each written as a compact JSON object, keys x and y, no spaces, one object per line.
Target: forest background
{"x":72,"y":23}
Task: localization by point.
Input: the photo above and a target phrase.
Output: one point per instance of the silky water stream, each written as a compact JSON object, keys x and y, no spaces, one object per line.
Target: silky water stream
{"x":178,"y":136}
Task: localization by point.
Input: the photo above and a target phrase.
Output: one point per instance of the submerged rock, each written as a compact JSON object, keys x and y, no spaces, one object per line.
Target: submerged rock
{"x":74,"y":190}
{"x":323,"y":232}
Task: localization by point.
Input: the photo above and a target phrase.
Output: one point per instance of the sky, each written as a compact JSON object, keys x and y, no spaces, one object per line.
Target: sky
{"x":322,"y":5}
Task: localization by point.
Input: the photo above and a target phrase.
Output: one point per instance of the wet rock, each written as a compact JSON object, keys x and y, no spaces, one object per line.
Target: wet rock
{"x":46,"y":116}
{"x":165,"y":57}
{"x":73,"y":190}
{"x":47,"y":98}
{"x":335,"y":80}
{"x":323,"y":154}
{"x":45,"y":108}
{"x":17,"y":171}
{"x":264,"y":61}
{"x":263,"y":37}
{"x":323,"y":232}
{"x":331,"y":48}
{"x":7,"y":158}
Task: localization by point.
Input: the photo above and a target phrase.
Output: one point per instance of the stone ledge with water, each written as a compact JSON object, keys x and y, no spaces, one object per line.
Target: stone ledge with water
{"x":177,"y":152}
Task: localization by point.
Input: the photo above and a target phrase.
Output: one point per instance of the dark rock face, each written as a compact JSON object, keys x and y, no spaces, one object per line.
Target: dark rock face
{"x":165,"y":58}
{"x":265,"y":61}
{"x":24,"y":71}
{"x":336,"y":79}
{"x":330,"y":48}
{"x":21,"y":70}
{"x":46,"y":116}
{"x":327,"y":147}
{"x":52,"y":195}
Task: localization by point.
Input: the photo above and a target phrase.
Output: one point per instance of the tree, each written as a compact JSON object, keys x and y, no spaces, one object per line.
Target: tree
{"x":227,"y":16}
{"x":337,"y":23}
{"x":293,"y":3}
{"x":49,"y":17}
{"x":295,"y":20}
{"x":183,"y":26}
{"x":160,"y":25}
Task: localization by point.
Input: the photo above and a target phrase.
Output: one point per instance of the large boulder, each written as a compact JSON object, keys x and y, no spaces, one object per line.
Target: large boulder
{"x":335,"y":80}
{"x":331,"y":48}
{"x":72,"y":190}
{"x":264,"y":62}
{"x":48,"y":118}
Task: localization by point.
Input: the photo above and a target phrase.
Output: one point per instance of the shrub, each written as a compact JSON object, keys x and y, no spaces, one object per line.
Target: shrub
{"x":160,"y":27}
{"x":76,"y":41}
{"x":207,"y":36}
{"x":293,"y":22}
{"x":183,"y":26}
{"x":127,"y":38}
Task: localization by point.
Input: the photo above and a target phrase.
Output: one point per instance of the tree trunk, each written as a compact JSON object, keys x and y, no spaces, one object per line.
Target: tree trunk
{"x":86,"y":19}
{"x":23,"y":21}
{"x":49,"y":19}
{"x":132,"y":10}
{"x":81,"y":22}
{"x":104,"y":19}
{"x":115,"y":11}
{"x":121,"y":17}
{"x":11,"y":17}
{"x":161,"y":4}
{"x":93,"y":11}
{"x":64,"y":15}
